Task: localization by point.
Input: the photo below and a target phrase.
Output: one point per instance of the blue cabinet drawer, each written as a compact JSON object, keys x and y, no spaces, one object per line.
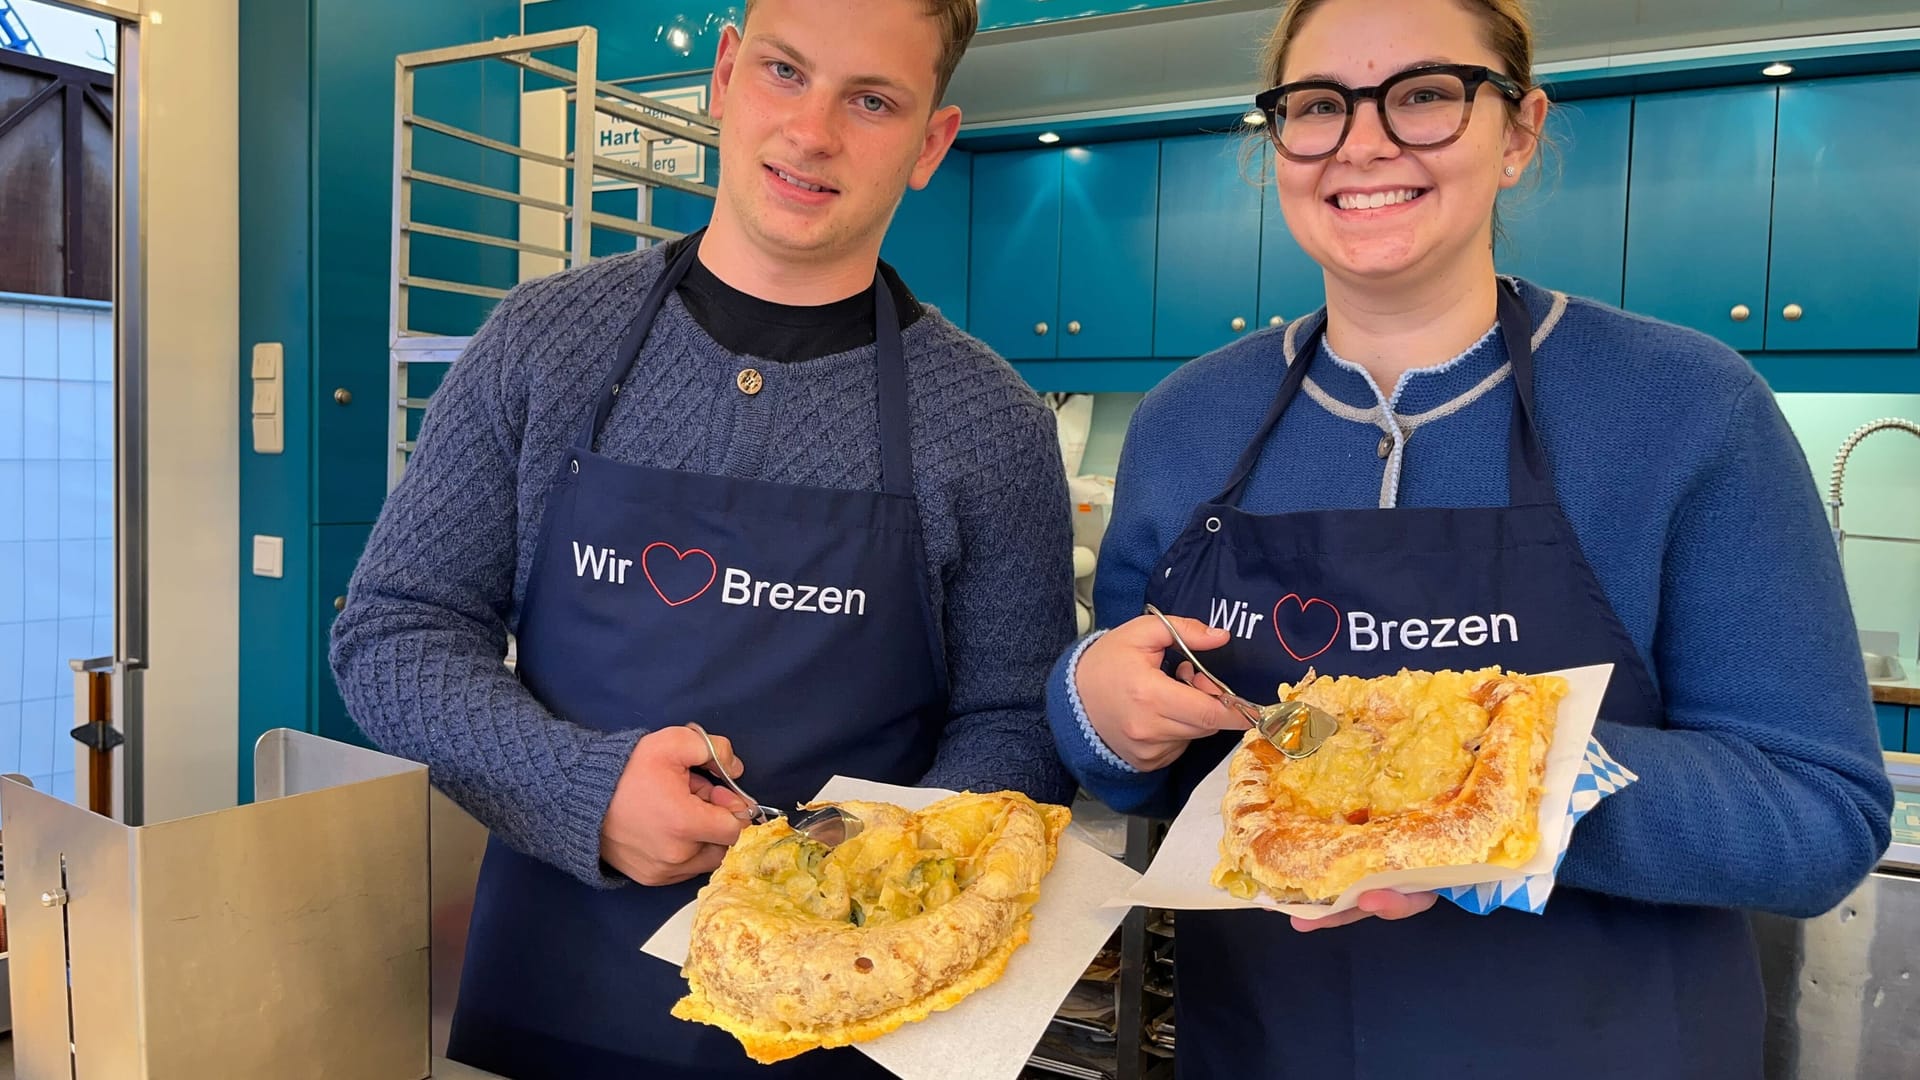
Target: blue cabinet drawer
{"x":1013,"y":282}
{"x":927,"y":241}
{"x":1110,"y":198}
{"x":1845,"y":265}
{"x":1893,"y":726}
{"x":1207,"y":280}
{"x":1698,"y":215}
{"x":1570,"y":232}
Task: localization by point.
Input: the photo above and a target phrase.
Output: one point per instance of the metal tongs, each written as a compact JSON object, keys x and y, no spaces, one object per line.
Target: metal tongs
{"x":830,"y":825}
{"x":1295,"y":728}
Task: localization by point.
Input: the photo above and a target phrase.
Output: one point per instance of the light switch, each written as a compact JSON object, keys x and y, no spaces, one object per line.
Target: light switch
{"x":268,"y":397}
{"x":266,"y":360}
{"x":266,"y":554}
{"x":267,"y":438}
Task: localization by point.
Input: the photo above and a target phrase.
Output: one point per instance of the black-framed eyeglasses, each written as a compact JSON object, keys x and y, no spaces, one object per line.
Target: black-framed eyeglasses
{"x":1421,"y":108}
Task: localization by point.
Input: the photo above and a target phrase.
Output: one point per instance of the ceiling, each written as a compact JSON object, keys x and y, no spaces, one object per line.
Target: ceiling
{"x":1211,"y":50}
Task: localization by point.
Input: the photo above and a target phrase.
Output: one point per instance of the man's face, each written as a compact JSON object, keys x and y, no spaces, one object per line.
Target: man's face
{"x":826,"y":110}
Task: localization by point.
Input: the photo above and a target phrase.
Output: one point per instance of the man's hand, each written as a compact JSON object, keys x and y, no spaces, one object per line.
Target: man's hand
{"x":1374,"y":903}
{"x":667,"y":823}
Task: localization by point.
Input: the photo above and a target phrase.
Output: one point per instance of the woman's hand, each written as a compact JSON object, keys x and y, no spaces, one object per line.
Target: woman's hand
{"x":1375,"y":903}
{"x":1141,"y":713}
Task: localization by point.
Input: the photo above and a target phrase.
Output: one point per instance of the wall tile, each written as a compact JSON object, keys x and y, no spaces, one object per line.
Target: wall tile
{"x":76,"y":421}
{"x":40,"y":519}
{"x":78,"y":514}
{"x":13,"y":418}
{"x":36,"y":738}
{"x":103,"y":347}
{"x":103,"y":580}
{"x":41,"y":587}
{"x":76,"y":643}
{"x":13,"y":500}
{"x":63,"y":785}
{"x":13,"y":638}
{"x":13,"y":341}
{"x":13,"y":581}
{"x":102,"y":636}
{"x":103,"y":499}
{"x":40,"y":419}
{"x":42,"y":672}
{"x":103,"y":421}
{"x":75,"y":329}
{"x":76,"y":579}
{"x":9,"y":736}
{"x":42,"y":343}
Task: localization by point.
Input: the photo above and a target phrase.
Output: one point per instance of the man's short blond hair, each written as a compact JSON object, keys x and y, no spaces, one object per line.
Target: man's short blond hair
{"x":958,"y":20}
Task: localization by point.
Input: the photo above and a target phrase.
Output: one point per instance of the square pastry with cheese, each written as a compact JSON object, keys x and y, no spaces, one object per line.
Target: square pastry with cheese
{"x":1428,"y":769}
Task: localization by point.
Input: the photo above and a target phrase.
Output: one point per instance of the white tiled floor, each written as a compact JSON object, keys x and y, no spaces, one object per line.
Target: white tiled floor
{"x":56,"y":527}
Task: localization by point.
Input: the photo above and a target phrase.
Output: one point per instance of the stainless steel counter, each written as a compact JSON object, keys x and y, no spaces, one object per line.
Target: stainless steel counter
{"x":442,"y":1068}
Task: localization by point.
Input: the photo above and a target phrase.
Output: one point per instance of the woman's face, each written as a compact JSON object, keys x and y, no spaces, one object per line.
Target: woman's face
{"x":1447,"y":222}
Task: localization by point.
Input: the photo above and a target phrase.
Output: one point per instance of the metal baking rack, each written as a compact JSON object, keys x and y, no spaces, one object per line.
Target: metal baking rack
{"x":1117,"y":1023}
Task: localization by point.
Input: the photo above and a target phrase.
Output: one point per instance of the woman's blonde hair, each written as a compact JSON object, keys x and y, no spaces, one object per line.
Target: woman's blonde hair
{"x":1507,"y":24}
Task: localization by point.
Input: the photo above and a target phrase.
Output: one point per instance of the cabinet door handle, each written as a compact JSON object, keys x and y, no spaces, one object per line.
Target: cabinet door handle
{"x":1073,"y":327}
{"x":343,"y":395}
{"x":1239,"y":324}
{"x":1276,"y":322}
{"x":1040,"y":329}
{"x":1791,"y":313}
{"x":1740,"y":313}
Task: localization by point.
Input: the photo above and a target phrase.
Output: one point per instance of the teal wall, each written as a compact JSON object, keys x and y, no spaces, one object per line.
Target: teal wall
{"x":316,"y":138}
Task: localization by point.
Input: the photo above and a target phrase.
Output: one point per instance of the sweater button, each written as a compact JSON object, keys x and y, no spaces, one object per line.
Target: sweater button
{"x":1386,"y":447}
{"x":749,"y":381}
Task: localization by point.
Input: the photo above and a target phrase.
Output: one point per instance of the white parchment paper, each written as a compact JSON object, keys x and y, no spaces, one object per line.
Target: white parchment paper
{"x":1182,"y":870}
{"x":990,"y":1034}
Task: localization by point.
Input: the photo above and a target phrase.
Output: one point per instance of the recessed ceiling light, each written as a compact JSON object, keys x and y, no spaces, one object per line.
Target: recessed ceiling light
{"x":1776,"y":70}
{"x":1049,"y":137}
{"x":1254,"y":118}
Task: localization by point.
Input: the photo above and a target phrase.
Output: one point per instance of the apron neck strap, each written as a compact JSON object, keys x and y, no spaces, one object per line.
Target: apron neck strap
{"x":896,"y":441}
{"x":1289,"y":387}
{"x":1529,"y":481}
{"x":896,"y":445}
{"x":1528,"y":478}
{"x":636,"y":336}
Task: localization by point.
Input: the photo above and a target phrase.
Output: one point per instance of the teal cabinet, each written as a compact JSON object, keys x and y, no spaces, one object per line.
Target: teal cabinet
{"x":337,"y":551}
{"x":1569,"y":233}
{"x":1110,"y":195}
{"x":1698,"y":214}
{"x":928,"y":239}
{"x":1207,"y":280}
{"x":1063,"y":251}
{"x":1013,"y":282}
{"x":1892,"y":720}
{"x":1845,"y":268}
{"x":1291,"y":284}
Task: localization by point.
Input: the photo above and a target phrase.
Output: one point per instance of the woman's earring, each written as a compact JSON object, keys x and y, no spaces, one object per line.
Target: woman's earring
{"x":1509,"y":170}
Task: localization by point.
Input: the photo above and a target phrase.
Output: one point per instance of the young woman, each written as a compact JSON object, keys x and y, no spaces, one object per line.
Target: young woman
{"x":1443,"y":443}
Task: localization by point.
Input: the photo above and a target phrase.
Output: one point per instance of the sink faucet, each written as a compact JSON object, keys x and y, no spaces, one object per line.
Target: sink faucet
{"x":1890,"y":423}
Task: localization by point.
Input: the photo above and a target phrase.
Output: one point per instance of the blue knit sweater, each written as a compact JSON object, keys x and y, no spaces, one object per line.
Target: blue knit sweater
{"x":418,"y":649}
{"x":1765,"y":789}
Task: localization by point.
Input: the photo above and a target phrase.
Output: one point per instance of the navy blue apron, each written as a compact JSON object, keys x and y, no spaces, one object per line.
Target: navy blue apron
{"x":1595,"y":987}
{"x":793,"y":620}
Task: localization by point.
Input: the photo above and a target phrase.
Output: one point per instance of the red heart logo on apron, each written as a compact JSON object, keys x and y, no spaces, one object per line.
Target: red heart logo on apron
{"x":679,"y":558}
{"x":1307,"y":632}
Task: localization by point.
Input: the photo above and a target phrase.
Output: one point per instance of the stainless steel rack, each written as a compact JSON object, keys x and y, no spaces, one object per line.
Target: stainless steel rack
{"x":588,"y":98}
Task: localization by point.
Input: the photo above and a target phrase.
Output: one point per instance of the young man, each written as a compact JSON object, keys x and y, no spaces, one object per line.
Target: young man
{"x":742,"y":481}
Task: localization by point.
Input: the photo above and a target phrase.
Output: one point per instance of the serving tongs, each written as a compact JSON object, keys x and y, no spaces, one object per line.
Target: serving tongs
{"x":1295,"y":728}
{"x":829,"y":825}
